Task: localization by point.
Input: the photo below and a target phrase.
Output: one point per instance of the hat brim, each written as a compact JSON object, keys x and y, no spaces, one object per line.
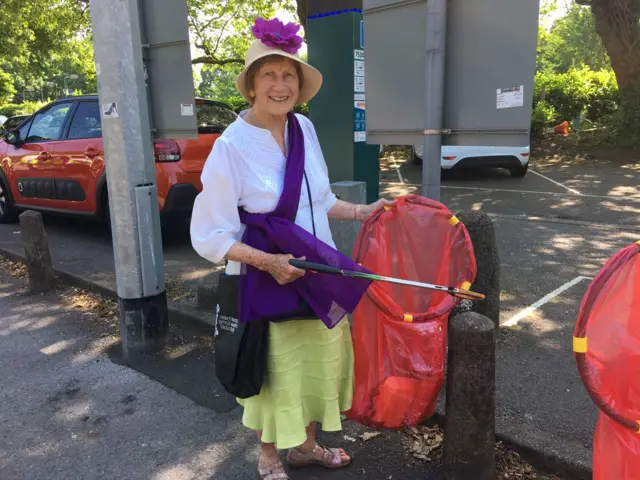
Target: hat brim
{"x":312,"y":77}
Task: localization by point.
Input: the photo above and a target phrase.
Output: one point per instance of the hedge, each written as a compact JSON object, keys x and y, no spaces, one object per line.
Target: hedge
{"x":585,"y":93}
{"x":26,"y":108}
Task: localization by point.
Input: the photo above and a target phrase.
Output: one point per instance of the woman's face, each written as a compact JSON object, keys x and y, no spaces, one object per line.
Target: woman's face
{"x":276,"y":87}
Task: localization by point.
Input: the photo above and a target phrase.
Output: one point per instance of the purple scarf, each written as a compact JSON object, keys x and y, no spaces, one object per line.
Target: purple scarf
{"x":330,"y":296}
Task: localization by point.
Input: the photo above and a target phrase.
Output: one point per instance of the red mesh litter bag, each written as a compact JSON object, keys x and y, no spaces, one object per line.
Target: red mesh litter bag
{"x":606,"y":348}
{"x":399,"y":332}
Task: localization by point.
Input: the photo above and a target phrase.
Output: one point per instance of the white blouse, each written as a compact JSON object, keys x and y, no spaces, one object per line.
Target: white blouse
{"x":246,"y":168}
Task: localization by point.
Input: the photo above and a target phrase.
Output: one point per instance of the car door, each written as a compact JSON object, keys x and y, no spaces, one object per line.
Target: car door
{"x":33,"y":160}
{"x":80,"y":159}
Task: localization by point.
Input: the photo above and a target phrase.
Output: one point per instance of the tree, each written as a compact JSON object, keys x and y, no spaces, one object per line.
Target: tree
{"x":302,"y":15}
{"x":221,"y":29}
{"x":219,"y":83}
{"x":52,"y":38}
{"x":43,"y":35}
{"x":36,"y":29}
{"x":572,"y":41}
{"x":618,"y":24}
{"x":7,"y":90}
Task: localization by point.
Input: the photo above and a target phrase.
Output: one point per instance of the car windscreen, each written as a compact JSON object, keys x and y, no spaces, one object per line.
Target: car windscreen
{"x":213,"y":118}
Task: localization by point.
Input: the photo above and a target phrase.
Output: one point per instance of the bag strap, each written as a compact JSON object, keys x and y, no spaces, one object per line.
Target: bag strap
{"x":313,"y":222}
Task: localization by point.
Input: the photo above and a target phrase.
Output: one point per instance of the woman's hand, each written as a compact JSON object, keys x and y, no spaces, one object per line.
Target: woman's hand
{"x":279,"y":268}
{"x":363,"y":211}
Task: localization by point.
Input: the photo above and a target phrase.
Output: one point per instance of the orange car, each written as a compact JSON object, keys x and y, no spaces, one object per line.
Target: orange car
{"x":54,"y":161}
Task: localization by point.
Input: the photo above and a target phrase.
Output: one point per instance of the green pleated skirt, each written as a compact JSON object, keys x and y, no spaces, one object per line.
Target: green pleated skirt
{"x":309,"y":378}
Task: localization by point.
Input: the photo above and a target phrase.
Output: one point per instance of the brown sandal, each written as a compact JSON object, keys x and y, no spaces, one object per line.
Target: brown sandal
{"x":331,"y":457}
{"x":267,"y":473}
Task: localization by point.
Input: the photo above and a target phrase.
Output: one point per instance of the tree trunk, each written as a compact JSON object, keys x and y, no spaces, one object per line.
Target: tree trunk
{"x":302,"y":15}
{"x":617,"y":23}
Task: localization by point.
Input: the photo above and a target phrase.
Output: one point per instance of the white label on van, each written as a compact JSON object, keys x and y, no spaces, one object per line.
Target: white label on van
{"x":186,"y":109}
{"x":510,"y":97}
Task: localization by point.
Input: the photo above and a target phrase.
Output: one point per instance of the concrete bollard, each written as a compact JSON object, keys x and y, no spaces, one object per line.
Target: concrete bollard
{"x":345,"y":232}
{"x":483,"y":237}
{"x":36,"y":248}
{"x":469,"y":425}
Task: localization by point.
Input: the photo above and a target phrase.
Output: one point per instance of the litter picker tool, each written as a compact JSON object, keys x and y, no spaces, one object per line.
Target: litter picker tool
{"x":319,"y":268}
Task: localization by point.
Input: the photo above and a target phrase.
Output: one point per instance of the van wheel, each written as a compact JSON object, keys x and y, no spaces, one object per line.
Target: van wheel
{"x":8,"y":213}
{"x":519,"y":171}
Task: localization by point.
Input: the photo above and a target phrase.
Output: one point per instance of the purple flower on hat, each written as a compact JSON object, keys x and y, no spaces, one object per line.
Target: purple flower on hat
{"x":275,"y":34}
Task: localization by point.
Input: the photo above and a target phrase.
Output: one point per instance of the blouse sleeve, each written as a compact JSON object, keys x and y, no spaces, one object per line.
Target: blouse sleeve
{"x":215,"y":220}
{"x":330,"y":198}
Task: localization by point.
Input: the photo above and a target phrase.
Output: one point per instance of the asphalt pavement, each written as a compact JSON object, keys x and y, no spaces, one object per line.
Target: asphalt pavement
{"x":555,"y":227}
{"x":72,"y":411}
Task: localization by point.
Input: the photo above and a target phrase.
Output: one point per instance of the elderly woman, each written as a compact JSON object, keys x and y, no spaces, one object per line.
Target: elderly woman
{"x":268,"y":164}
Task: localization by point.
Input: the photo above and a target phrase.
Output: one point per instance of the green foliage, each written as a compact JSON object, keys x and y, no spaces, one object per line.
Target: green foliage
{"x":575,"y":73}
{"x":7,"y":89}
{"x":544,"y":115}
{"x":572,"y":41}
{"x":39,"y":33}
{"x":26,"y":108}
{"x":302,"y":109}
{"x":45,"y":40}
{"x":593,"y":94}
{"x":222,"y":29}
{"x":222,"y":32}
{"x":51,"y":39}
{"x":219,"y":82}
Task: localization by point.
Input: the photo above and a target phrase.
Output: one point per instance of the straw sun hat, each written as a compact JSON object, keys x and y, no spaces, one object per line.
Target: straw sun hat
{"x":275,"y":38}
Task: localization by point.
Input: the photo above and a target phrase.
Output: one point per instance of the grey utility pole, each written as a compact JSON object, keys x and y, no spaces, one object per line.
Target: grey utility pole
{"x":131,"y":178}
{"x":434,"y":96}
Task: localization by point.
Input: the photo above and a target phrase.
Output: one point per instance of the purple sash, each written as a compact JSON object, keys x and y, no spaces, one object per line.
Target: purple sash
{"x":331,"y":297}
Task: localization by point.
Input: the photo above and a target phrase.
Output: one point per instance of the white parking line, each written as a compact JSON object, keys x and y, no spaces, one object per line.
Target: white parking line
{"x":557,"y":183}
{"x":528,"y":192}
{"x":395,"y":165}
{"x":513,"y":321}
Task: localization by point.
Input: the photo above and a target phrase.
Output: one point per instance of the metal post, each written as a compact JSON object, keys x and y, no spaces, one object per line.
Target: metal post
{"x":434,"y":96}
{"x":131,"y":179}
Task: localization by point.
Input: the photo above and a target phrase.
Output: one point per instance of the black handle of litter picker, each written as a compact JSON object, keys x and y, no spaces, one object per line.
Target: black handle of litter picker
{"x":314,"y":267}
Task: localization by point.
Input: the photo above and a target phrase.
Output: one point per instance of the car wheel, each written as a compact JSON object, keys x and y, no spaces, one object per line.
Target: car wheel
{"x":416,"y":159}
{"x":106,"y":215}
{"x":519,"y":171}
{"x":8,"y":212}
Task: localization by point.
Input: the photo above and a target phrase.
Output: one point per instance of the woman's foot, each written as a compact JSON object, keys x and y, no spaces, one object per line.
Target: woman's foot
{"x":270,"y":467}
{"x":326,"y":457}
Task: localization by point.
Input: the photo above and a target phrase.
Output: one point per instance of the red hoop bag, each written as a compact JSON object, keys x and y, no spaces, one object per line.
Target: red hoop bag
{"x":399,"y":332}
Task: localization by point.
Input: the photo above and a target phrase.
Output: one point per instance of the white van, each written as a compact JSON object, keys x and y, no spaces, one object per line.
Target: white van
{"x":514,"y":159}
